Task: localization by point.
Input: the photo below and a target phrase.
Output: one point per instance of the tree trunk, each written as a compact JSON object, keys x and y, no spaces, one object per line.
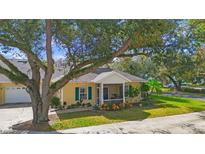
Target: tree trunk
{"x":46,"y":103}
{"x":177,"y":85}
{"x":40,"y":106}
{"x":40,"y":110}
{"x":179,"y":88}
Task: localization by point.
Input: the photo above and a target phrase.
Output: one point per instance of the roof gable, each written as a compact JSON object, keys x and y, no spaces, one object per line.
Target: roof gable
{"x":110,"y":77}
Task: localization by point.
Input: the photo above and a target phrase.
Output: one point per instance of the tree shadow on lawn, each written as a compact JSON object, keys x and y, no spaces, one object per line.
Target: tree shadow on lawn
{"x":122,"y":115}
{"x":196,"y":109}
{"x":111,"y":116}
{"x":162,"y":104}
{"x":172,"y":99}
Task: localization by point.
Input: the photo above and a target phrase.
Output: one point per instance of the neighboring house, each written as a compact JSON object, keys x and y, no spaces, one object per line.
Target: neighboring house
{"x":103,"y":85}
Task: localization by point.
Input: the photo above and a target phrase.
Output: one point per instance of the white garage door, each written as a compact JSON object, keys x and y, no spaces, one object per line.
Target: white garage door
{"x":16,"y":95}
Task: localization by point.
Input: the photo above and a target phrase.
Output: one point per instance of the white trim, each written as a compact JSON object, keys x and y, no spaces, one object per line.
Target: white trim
{"x":113,"y":99}
{"x":101,"y":91}
{"x":102,"y":76}
{"x":85,"y":89}
{"x":122,"y":76}
{"x":123,"y":92}
{"x":128,"y":90}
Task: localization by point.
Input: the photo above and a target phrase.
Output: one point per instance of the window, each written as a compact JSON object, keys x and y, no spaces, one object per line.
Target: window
{"x":83,"y":93}
{"x":126,"y":90}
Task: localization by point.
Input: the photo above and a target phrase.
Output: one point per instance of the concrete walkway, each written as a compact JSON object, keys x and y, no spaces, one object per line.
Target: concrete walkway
{"x":192,"y":123}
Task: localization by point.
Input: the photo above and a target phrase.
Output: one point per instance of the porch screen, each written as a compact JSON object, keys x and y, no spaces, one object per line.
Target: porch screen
{"x":77,"y":93}
{"x":89,"y":93}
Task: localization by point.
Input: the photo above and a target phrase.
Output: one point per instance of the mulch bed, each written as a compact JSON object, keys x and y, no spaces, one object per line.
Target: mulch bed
{"x":40,"y":127}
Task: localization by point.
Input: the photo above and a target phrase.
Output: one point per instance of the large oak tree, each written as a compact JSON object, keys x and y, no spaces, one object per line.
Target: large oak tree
{"x":88,"y":44}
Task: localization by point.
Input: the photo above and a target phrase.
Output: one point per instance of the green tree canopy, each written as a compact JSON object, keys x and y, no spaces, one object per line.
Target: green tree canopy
{"x":87,"y":45}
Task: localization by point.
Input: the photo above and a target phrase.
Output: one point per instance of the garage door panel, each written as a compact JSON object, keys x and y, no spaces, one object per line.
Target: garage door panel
{"x":16,"y":95}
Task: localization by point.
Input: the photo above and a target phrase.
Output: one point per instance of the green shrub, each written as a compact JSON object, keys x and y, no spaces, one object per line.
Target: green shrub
{"x":55,"y":102}
{"x":109,"y":106}
{"x":74,"y":105}
{"x":144,"y":90}
{"x":69,"y":107}
{"x":78,"y":103}
{"x":96,"y":107}
{"x":145,"y":87}
{"x":134,"y":91}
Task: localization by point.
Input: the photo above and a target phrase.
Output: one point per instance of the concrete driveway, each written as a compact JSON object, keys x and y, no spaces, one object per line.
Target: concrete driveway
{"x":192,"y":123}
{"x":13,"y":114}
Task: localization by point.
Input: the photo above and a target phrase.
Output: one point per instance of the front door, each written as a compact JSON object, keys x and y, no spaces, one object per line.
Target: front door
{"x":105,"y":93}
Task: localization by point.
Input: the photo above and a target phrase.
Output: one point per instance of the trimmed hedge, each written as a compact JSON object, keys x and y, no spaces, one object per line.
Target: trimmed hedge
{"x":193,"y":90}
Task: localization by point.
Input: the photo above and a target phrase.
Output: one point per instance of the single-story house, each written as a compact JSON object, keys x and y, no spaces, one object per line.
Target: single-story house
{"x":103,"y":85}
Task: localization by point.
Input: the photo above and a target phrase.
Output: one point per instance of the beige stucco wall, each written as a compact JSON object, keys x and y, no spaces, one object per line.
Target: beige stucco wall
{"x":135,"y":84}
{"x":1,"y":94}
{"x":69,"y":92}
{"x":138,"y":98}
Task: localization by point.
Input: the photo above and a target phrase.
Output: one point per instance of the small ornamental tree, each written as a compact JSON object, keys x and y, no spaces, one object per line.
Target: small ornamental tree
{"x":155,"y":86}
{"x":85,"y":44}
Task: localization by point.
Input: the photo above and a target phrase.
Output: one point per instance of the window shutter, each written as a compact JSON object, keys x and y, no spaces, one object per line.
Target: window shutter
{"x":77,"y":94}
{"x":89,"y":93}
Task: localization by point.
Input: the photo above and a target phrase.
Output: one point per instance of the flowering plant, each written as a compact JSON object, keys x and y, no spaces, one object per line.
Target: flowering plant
{"x":115,"y":107}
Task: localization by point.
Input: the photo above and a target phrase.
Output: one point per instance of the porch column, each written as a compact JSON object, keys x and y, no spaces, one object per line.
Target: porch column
{"x":101,"y":94}
{"x":123,"y":92}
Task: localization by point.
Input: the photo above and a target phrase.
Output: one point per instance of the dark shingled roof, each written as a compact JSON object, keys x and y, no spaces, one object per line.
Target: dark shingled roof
{"x":25,"y":68}
{"x":91,"y":76}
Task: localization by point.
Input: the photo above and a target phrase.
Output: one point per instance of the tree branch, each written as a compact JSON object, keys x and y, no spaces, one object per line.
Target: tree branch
{"x":13,"y":77}
{"x":25,"y":50}
{"x":50,"y":68}
{"x":12,"y":67}
{"x":131,"y":55}
{"x":77,"y":72}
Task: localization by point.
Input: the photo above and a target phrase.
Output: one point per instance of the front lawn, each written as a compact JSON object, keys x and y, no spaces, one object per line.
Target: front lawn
{"x":157,"y":106}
